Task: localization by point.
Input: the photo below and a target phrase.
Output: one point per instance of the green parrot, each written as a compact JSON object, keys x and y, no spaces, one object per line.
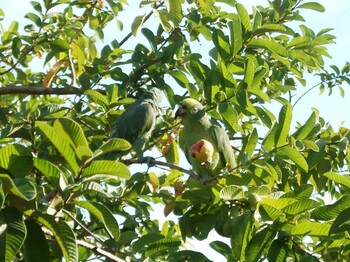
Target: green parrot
{"x":205,"y":143}
{"x":138,"y":121}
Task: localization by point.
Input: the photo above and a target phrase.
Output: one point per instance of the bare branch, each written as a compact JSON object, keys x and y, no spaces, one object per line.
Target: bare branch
{"x":89,"y":246}
{"x":99,"y":251}
{"x":152,"y":162}
{"x":14,"y":89}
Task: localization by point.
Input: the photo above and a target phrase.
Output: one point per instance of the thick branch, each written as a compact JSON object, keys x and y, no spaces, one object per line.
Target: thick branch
{"x":13,"y":89}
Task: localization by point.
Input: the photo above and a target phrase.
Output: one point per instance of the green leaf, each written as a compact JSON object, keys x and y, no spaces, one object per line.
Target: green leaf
{"x":269,"y":141}
{"x":61,"y":145}
{"x":112,"y":145}
{"x":305,"y":130}
{"x":204,"y":5}
{"x":97,"y":98}
{"x":244,"y":17}
{"x":175,"y":11}
{"x":259,"y":243}
{"x":284,"y":122}
{"x":313,"y":6}
{"x":341,"y":223}
{"x":311,"y":229}
{"x":337,"y":178}
{"x":71,"y":132}
{"x":269,"y":28}
{"x":188,"y":255}
{"x":236,"y":38}
{"x":19,"y":187}
{"x":289,"y":153}
{"x":249,"y":72}
{"x":59,"y":45}
{"x":222,"y":44}
{"x":249,"y":147}
{"x":166,"y":243}
{"x":63,"y":234}
{"x":36,"y":248}
{"x":270,"y":213}
{"x":104,"y":215}
{"x":12,"y":233}
{"x":144,"y":241}
{"x":270,"y":45}
{"x":222,"y":248}
{"x":106,"y":167}
{"x":231,"y":193}
{"x":52,"y":173}
{"x":329,"y":212}
{"x":300,"y":206}
{"x":150,"y":37}
{"x":240,"y":235}
{"x":16,"y":159}
{"x":136,"y":24}
{"x":230,"y":115}
{"x":278,"y":251}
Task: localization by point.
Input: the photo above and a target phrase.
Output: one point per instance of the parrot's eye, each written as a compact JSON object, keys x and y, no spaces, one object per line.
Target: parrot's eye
{"x":194,"y":110}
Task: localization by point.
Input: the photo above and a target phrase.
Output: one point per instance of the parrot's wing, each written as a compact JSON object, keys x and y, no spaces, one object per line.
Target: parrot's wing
{"x":134,"y":122}
{"x":223,"y":144}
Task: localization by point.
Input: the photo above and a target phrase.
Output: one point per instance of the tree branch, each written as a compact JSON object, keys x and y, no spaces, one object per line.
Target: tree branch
{"x":146,"y":17}
{"x":14,"y":89}
{"x":89,"y":246}
{"x":152,"y":162}
{"x":99,"y":251}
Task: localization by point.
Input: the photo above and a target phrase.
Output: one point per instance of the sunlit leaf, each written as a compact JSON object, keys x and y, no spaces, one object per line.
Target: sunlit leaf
{"x":270,"y":45}
{"x":337,"y":178}
{"x":61,"y":145}
{"x":313,"y":6}
{"x":284,"y":122}
{"x":312,"y":229}
{"x":106,"y":167}
{"x":289,"y":153}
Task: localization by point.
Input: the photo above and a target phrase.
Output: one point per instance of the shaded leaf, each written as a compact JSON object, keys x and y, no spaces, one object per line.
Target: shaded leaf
{"x":312,"y":229}
{"x":12,"y":233}
{"x":62,"y":233}
{"x":35,"y":238}
{"x":104,"y":215}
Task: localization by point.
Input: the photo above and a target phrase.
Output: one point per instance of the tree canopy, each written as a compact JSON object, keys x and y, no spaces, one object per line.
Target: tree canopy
{"x":62,"y":89}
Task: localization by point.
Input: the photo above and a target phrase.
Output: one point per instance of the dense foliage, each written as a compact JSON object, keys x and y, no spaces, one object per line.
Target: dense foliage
{"x":62,"y":88}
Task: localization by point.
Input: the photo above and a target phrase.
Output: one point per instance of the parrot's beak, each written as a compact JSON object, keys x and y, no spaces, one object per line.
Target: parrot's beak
{"x":180,"y":112}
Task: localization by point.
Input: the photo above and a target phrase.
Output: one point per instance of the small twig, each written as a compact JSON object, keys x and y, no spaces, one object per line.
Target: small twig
{"x":126,"y":38}
{"x":83,"y":227}
{"x":152,"y":162}
{"x":99,"y":251}
{"x":89,"y":246}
